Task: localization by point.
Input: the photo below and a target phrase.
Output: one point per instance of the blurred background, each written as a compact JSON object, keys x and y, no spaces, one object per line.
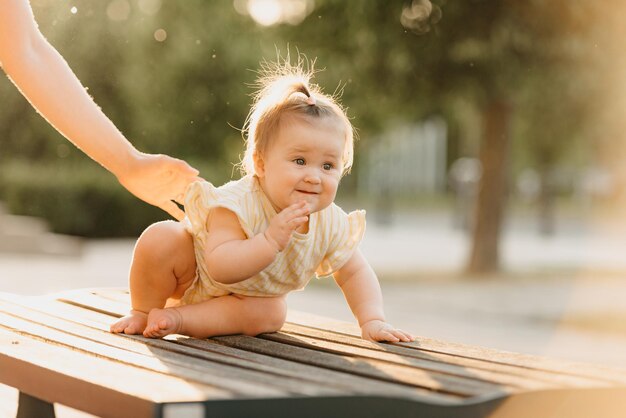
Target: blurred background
{"x":490,"y":156}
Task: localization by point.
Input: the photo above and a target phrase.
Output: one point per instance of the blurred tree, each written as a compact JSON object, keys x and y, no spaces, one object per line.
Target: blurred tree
{"x":410,"y":59}
{"x":173,"y":76}
{"x":517,"y":63}
{"x":167,"y":73}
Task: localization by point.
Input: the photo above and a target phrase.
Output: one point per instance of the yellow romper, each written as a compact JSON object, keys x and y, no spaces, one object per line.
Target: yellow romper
{"x":332,"y":238}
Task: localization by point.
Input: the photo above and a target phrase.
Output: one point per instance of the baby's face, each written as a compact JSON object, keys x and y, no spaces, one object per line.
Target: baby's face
{"x":303,"y":162}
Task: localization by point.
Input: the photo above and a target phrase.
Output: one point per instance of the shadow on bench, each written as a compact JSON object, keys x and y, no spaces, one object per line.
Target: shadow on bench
{"x":58,"y":350}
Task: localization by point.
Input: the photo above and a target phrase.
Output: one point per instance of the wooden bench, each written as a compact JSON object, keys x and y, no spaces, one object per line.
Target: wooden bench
{"x":58,"y":350}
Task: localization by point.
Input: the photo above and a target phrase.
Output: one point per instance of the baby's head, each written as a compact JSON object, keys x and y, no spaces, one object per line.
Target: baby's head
{"x":298,"y":139}
{"x":286,"y":91}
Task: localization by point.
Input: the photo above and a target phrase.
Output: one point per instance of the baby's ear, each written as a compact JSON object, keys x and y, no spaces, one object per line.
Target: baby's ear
{"x":259,"y":164}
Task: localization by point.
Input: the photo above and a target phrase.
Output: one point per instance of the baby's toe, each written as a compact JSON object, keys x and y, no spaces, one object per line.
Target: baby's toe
{"x":130,"y":330}
{"x":119,"y":327}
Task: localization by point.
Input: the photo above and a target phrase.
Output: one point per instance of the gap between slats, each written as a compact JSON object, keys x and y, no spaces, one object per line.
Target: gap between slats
{"x":106,"y":346}
{"x":504,"y":373}
{"x":385,"y":390}
{"x":462,"y":383}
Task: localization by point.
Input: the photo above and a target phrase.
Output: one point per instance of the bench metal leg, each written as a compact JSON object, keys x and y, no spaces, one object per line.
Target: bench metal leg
{"x":31,"y":407}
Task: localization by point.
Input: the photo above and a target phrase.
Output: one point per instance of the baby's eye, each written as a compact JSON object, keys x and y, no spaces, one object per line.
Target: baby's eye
{"x":327,"y":166}
{"x":299,"y":161}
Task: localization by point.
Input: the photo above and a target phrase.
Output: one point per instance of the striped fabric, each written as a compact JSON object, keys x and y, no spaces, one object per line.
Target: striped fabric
{"x":332,"y":238}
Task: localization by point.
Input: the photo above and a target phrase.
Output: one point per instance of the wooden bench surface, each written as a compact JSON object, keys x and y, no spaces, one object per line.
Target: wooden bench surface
{"x":59,"y":349}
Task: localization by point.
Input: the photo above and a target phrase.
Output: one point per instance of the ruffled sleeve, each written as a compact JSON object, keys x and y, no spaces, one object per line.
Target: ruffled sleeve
{"x":346,"y":232}
{"x":197,"y":198}
{"x":201,"y":197}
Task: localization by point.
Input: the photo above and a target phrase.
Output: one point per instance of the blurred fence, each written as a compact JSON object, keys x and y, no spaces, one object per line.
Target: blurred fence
{"x":407,"y":160}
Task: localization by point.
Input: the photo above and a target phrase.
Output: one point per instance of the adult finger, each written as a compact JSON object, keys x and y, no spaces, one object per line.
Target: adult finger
{"x":173,"y":210}
{"x":180,"y":198}
{"x":181,"y":166}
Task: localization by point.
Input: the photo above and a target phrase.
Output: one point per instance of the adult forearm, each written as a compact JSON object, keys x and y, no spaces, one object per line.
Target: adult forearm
{"x":46,"y":80}
{"x":237,"y":260}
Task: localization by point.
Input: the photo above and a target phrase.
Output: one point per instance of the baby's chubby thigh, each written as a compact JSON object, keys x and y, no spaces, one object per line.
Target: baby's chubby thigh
{"x":262,"y":314}
{"x":166,"y":250}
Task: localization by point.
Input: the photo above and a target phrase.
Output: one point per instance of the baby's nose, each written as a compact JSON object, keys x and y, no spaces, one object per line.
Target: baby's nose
{"x":312,"y":177}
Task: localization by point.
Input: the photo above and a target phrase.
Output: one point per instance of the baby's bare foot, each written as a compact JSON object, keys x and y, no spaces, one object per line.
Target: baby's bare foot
{"x":133,"y":323}
{"x":162,"y":322}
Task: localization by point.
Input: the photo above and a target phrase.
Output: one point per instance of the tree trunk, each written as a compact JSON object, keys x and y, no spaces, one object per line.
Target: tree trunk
{"x":492,"y":189}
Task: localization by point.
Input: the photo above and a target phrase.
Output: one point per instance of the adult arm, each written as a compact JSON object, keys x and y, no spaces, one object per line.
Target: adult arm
{"x":45,"y":79}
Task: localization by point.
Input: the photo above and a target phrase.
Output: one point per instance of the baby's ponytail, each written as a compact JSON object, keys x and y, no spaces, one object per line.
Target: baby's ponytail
{"x":284,"y":88}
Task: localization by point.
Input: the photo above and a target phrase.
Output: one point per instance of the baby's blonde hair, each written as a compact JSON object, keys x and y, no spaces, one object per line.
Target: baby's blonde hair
{"x":286,"y":89}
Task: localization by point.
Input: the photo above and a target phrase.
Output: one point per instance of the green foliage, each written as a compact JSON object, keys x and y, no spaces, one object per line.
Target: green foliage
{"x":187,"y":94}
{"x":83,"y":199}
{"x":75,"y":199}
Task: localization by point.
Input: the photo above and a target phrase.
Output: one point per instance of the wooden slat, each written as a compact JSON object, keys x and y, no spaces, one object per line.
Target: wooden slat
{"x":608,"y":374}
{"x":432,"y":380}
{"x":94,"y":302}
{"x":551,"y":372}
{"x":92,"y":384}
{"x":216,"y":352}
{"x":242,"y":381}
{"x":511,"y":377}
{"x":551,"y":367}
{"x":119,"y":375}
{"x":404,"y":354}
{"x":369,"y":368}
{"x":512,"y":383}
{"x":359,"y":385}
{"x":190,"y":348}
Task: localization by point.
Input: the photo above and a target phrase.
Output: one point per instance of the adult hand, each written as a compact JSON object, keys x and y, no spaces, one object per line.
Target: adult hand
{"x":159,"y":180}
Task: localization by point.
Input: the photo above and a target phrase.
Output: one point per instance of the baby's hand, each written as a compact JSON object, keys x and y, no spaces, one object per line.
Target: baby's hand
{"x":279,"y":231}
{"x":377,"y":330}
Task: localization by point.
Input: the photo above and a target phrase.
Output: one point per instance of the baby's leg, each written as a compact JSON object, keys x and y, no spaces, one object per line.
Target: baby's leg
{"x":225,"y":315}
{"x":163,"y":267}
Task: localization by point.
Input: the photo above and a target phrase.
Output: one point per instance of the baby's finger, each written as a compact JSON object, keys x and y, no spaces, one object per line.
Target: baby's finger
{"x":295,"y":206}
{"x":388,"y":336}
{"x":411,"y":337}
{"x":297,"y":217}
{"x":296,"y":222}
{"x":298,"y":209}
{"x":402,"y":336}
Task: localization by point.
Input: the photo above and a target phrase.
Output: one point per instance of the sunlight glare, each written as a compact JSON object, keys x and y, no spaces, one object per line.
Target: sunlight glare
{"x":272,"y":12}
{"x":74,"y":10}
{"x":265,"y":12}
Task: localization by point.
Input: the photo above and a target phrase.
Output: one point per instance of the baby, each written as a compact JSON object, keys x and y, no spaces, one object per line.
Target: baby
{"x":227,"y":268}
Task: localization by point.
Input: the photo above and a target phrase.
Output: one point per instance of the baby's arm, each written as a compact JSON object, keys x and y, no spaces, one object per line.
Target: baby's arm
{"x":362,"y":291}
{"x":232,"y":256}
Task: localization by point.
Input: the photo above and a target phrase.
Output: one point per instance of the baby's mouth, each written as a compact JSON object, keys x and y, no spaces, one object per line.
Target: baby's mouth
{"x":306,"y":192}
